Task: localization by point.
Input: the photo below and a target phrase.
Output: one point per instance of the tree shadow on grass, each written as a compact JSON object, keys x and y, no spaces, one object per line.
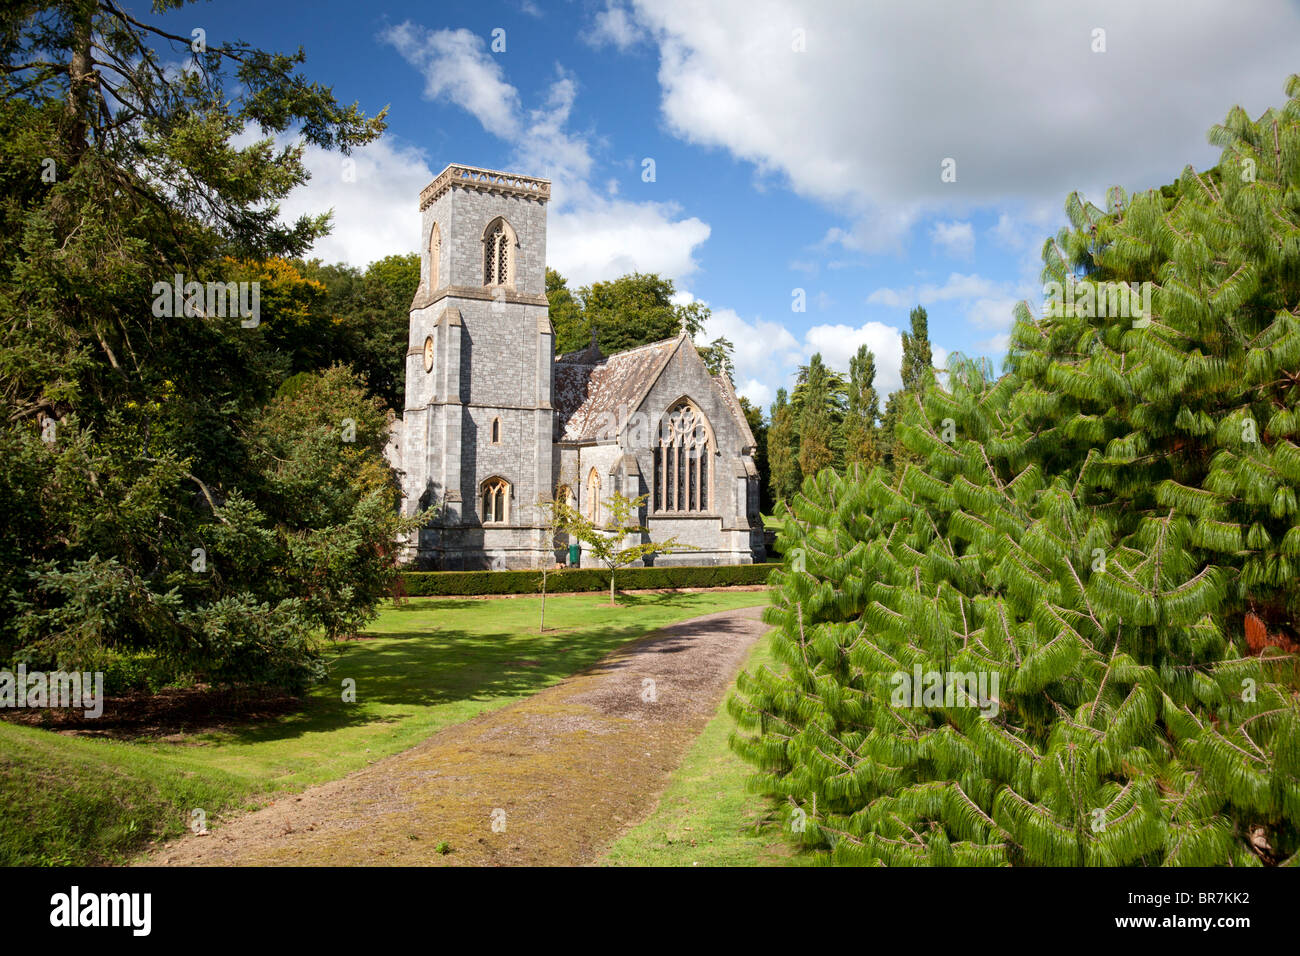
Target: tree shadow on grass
{"x":420,"y":669}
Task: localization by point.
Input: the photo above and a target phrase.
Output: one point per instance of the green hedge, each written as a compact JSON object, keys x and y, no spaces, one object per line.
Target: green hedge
{"x":439,"y":583}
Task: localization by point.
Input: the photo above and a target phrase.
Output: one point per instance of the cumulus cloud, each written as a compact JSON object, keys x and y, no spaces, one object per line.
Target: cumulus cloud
{"x":615,"y":26}
{"x":602,"y":239}
{"x":1011,"y":91}
{"x":763,"y":350}
{"x":370,"y":194}
{"x":766,"y":352}
{"x":457,"y":66}
{"x":986,"y":303}
{"x":592,"y":234}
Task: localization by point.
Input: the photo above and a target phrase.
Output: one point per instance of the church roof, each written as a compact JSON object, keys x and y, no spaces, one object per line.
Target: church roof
{"x":592,"y":391}
{"x":728,"y":393}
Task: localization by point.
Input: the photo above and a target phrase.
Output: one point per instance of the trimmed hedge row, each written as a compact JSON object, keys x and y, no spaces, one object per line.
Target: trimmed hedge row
{"x":440,"y":583}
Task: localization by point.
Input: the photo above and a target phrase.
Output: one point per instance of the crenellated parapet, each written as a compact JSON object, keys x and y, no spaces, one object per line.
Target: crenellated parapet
{"x":485,"y":180}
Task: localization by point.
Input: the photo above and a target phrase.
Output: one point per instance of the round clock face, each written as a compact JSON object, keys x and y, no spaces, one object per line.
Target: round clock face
{"x":428,"y":354}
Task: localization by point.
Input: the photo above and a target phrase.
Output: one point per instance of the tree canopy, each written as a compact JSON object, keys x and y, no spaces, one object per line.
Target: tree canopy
{"x":1062,"y":634}
{"x":197,"y":485}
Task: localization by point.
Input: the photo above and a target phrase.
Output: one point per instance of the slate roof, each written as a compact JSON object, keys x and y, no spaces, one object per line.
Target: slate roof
{"x":591,"y":391}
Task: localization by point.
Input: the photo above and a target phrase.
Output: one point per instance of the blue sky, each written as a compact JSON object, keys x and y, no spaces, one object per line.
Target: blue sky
{"x":796,"y":145}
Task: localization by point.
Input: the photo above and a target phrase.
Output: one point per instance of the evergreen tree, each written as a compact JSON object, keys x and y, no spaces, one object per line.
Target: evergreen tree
{"x":151,"y":461}
{"x":818,"y":399}
{"x":860,"y":444}
{"x":1107,"y":535}
{"x":783,"y":449}
{"x":917,"y":371}
{"x":918,"y":359}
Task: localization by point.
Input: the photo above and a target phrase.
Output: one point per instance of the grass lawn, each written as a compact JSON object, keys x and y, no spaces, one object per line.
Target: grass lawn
{"x":706,"y":817}
{"x":425,"y":666}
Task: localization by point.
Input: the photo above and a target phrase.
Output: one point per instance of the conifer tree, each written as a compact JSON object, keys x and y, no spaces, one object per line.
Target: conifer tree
{"x":1106,"y":537}
{"x":917,"y":370}
{"x":819,"y":401}
{"x":918,"y":358}
{"x":783,"y":449}
{"x":860,"y":445}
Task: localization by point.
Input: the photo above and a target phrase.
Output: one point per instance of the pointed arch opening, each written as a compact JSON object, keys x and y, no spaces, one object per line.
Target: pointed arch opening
{"x":435,"y":256}
{"x":593,"y":496}
{"x":496,"y":431}
{"x":500,"y":253}
{"x":683,"y":461}
{"x":494,"y":501}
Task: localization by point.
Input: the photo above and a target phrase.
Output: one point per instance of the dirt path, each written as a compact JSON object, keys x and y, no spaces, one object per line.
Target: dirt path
{"x":551,"y":780}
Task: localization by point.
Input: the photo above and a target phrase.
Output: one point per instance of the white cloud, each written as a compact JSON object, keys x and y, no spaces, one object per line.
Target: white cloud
{"x":838,"y":343}
{"x":766,"y":352}
{"x":370,"y":194}
{"x":603,"y":239}
{"x":592,"y":234}
{"x":955,"y":238}
{"x":1011,"y":91}
{"x":457,"y":66}
{"x":763,"y":350}
{"x":957,"y":286}
{"x":614,"y":25}
{"x":986,"y":303}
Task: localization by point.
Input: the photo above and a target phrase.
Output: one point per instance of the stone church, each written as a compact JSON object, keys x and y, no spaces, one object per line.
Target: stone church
{"x":495,"y":421}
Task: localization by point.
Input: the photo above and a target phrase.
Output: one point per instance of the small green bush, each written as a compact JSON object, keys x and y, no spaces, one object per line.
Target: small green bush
{"x":460,"y":583}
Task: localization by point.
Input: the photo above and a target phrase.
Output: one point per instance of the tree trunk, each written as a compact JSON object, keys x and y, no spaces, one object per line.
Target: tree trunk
{"x":611,"y":587}
{"x":80,"y":74}
{"x":542,"y":628}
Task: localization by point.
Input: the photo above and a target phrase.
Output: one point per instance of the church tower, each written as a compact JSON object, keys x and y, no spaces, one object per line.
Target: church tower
{"x":478,"y":425}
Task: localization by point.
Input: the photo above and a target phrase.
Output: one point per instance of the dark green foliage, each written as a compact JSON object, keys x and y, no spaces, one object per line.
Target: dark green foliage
{"x":819,"y":403}
{"x":457,"y":583}
{"x":861,"y":442}
{"x":758,"y":425}
{"x":368,"y":316}
{"x":1109,"y":530}
{"x":625,"y":312}
{"x":783,"y":448}
{"x":717,"y":358}
{"x":167,"y":500}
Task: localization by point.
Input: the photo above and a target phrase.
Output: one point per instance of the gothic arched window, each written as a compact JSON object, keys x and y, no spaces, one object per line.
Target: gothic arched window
{"x":593,"y":496}
{"x":496,"y":431}
{"x":435,"y":256}
{"x":494,"y":498}
{"x":565,"y":495}
{"x":683,"y":479}
{"x":499,"y":253}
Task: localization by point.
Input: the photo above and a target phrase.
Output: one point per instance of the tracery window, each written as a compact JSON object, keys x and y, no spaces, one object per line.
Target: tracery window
{"x":593,"y":496}
{"x":683,"y":479}
{"x":498,"y":249}
{"x":494,"y":497}
{"x":435,"y":255}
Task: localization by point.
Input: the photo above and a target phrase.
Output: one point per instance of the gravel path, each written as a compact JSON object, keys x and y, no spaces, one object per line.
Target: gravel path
{"x":551,"y":780}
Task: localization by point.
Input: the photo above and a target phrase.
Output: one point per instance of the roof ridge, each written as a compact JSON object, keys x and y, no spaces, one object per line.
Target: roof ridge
{"x":646,"y":345}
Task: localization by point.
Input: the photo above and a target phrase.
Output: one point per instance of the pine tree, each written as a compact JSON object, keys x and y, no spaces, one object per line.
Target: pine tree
{"x":860,"y":439}
{"x":1107,"y":535}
